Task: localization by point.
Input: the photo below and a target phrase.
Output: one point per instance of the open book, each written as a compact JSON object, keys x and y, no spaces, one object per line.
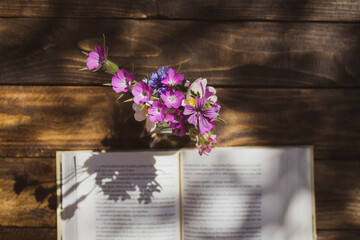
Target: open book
{"x":253,"y":193}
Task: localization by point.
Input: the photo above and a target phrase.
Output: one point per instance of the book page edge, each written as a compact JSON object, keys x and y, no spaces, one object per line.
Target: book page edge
{"x":312,"y":172}
{"x":58,"y":195}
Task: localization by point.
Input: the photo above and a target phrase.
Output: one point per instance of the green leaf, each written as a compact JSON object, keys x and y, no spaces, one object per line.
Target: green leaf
{"x":142,"y":107}
{"x":193,"y":94}
{"x":104,"y":40}
{"x":154,"y":98}
{"x":85,"y":68}
{"x":178,"y":70}
{"x":120,"y":96}
{"x":97,"y":68}
{"x":111,"y":66}
{"x":129,"y":100}
{"x":107,"y":84}
{"x":112,"y":73}
{"x":220,"y":120}
{"x":87,"y":54}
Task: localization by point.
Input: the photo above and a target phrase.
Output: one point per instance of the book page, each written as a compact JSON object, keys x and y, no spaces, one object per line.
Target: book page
{"x":118,"y":196}
{"x":247,"y":193}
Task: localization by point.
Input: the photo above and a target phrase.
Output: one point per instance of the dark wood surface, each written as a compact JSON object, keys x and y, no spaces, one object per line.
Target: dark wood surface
{"x":238,"y":54}
{"x":287,"y":73}
{"x":285,"y":10}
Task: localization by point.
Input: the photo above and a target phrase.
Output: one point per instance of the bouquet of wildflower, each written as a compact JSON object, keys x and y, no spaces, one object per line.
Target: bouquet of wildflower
{"x":165,"y":100}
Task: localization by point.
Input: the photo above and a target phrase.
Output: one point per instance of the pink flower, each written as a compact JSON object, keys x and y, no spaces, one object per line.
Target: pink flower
{"x":199,"y":87}
{"x":96,"y":58}
{"x":122,"y":81}
{"x":199,"y":116}
{"x":176,"y":119}
{"x":180,"y":131}
{"x":157,"y":112}
{"x":172,"y":99}
{"x":212,"y":139}
{"x":173,"y":78}
{"x":204,"y":149}
{"x":142,"y":92}
{"x":140,"y":115}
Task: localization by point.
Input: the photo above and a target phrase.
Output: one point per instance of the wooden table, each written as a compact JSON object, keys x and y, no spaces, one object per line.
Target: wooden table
{"x":287,"y":73}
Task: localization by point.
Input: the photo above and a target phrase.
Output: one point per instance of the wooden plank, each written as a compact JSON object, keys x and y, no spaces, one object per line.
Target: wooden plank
{"x":50,"y":234}
{"x":76,"y":9}
{"x":14,"y":233}
{"x":252,"y":54}
{"x":35,"y":121}
{"x":294,"y":10}
{"x":337,"y":187}
{"x":289,"y":10}
{"x":338,"y":235}
{"x":26,"y":187}
{"x":28,"y":190}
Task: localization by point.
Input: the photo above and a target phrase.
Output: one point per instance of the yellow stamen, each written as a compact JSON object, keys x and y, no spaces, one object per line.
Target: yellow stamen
{"x":146,"y":109}
{"x":191,"y":101}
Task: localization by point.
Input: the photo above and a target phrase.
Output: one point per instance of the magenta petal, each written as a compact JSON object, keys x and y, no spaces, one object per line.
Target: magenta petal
{"x":118,"y":85}
{"x":93,"y":61}
{"x":170,"y":117}
{"x":178,"y":78}
{"x":120,"y":74}
{"x":200,"y":102}
{"x":193,"y":119}
{"x":211,"y":112}
{"x":179,"y":95}
{"x":189,"y":110}
{"x":136,"y":90}
{"x":204,"y":125}
{"x":152,"y":110}
{"x":101,"y":51}
{"x":171,"y":73}
{"x":165,"y":97}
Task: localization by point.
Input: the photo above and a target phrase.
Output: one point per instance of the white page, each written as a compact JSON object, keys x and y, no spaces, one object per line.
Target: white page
{"x":247,"y":193}
{"x":124,"y":195}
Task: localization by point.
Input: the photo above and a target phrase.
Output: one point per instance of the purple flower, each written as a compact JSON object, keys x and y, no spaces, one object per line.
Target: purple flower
{"x":157,"y":112}
{"x":176,"y":119}
{"x":199,"y":87}
{"x":122,"y":81}
{"x":96,"y":58}
{"x":172,"y":99}
{"x":162,"y":90}
{"x":162,"y":72}
{"x":173,"y":78}
{"x":204,"y":149}
{"x":198,"y":116}
{"x":154,"y":81}
{"x":142,"y":92}
{"x":180,"y":131}
{"x":155,"y":78}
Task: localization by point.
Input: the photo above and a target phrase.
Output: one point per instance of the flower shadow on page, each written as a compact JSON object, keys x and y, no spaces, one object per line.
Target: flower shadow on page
{"x":116,"y":179}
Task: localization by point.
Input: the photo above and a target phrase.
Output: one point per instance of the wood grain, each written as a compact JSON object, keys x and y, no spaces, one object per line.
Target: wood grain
{"x":77,"y":9}
{"x":289,"y":10}
{"x":28,"y":192}
{"x":36,"y":121}
{"x":23,"y":204}
{"x":251,"y":54}
{"x":337,"y":187}
{"x":338,"y":235}
{"x":15,"y":233}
